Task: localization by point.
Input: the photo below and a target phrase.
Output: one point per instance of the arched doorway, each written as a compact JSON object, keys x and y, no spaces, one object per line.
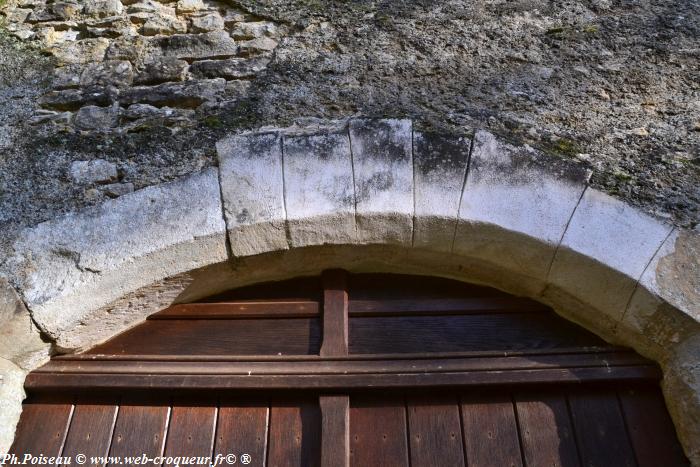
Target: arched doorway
{"x":352,"y":369}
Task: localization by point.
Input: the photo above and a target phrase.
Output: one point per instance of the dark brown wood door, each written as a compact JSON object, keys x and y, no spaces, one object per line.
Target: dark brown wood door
{"x":362,"y":370}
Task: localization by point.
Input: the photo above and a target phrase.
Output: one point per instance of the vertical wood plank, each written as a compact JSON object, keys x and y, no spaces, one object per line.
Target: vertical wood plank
{"x":190,"y":431}
{"x":294,"y":435}
{"x":335,"y":313}
{"x":335,"y":431}
{"x":140,"y":430}
{"x":600,"y":429}
{"x":91,"y":430}
{"x":545,"y":430}
{"x":42,"y":428}
{"x":650,"y":428}
{"x":243,"y":429}
{"x":490,"y":431}
{"x":435,"y":432}
{"x":378,"y":433}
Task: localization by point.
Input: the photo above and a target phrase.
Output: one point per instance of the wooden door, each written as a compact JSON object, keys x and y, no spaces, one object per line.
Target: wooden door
{"x":362,"y":370}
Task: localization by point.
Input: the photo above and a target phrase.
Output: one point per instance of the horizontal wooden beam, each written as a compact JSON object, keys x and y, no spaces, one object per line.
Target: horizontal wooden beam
{"x":241,"y":310}
{"x":443,"y":306}
{"x":347,"y":366}
{"x":290,"y":358}
{"x":41,"y":382}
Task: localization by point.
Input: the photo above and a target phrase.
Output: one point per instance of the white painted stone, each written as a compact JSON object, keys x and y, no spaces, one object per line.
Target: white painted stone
{"x":70,"y":267}
{"x":604,"y":252}
{"x":440,"y":166}
{"x":672,"y":279}
{"x":516,"y":204}
{"x":20,"y":340}
{"x":383,"y":173}
{"x":11,"y":396}
{"x":319,"y":190}
{"x":252,"y":186}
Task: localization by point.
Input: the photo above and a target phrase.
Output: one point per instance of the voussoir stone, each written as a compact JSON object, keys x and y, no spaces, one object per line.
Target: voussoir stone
{"x":383,"y":172}
{"x":71,"y":268}
{"x":440,"y":166}
{"x":516,"y":205}
{"x":319,"y":190}
{"x":11,"y":396}
{"x":252,"y":187}
{"x":606,"y":248}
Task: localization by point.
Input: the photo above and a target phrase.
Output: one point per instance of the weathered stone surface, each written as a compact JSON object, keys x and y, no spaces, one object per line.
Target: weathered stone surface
{"x":115,"y":190}
{"x":107,"y":73}
{"x":216,"y":44}
{"x":672,"y":279}
{"x":260,"y":45}
{"x":232,"y":68}
{"x":208,"y":22}
{"x":20,"y":340}
{"x":80,"y":263}
{"x":606,"y":247}
{"x":11,"y":396}
{"x":73,"y":99}
{"x":383,"y":171}
{"x":319,"y":190}
{"x":82,"y":51}
{"x":440,"y":168}
{"x":163,"y":70}
{"x":253,"y":30}
{"x":514,"y":191}
{"x":97,"y":118}
{"x":188,"y":6}
{"x":189,"y":94}
{"x":103,"y":8}
{"x":252,"y":186}
{"x":95,"y":171}
{"x":163,"y":24}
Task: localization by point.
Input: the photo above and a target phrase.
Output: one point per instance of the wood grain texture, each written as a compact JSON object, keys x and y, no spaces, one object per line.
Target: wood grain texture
{"x":299,"y":336}
{"x":190,"y":431}
{"x":435,"y":432}
{"x":335,"y":314}
{"x":91,"y":429}
{"x":495,"y":331}
{"x":600,"y":429}
{"x":242,"y":428}
{"x":295,"y":434}
{"x":140,"y":429}
{"x":545,"y":429}
{"x":650,"y":428}
{"x":443,"y":306}
{"x":335,"y":430}
{"x":490,"y":431}
{"x":42,"y":428}
{"x":378,"y":433}
{"x":241,"y":310}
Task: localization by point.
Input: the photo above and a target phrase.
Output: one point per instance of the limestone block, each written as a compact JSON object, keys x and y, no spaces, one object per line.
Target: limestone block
{"x":217,"y":44}
{"x":20,"y":340}
{"x":604,"y":252}
{"x":665,"y":306}
{"x":260,"y":45}
{"x":188,"y":94}
{"x":232,"y":68}
{"x":69,"y":268}
{"x":440,"y":167}
{"x":95,"y":171}
{"x":383,"y":171}
{"x":11,"y":396}
{"x":93,"y":117}
{"x":211,"y":21}
{"x":82,"y":51}
{"x":319,"y":191}
{"x":103,"y":8}
{"x":515,"y":206}
{"x":73,"y":99}
{"x":163,"y":70}
{"x":252,"y":188}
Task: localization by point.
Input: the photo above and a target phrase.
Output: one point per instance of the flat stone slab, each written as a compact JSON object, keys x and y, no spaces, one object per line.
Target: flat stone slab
{"x":319,"y":189}
{"x":74,"y":265}
{"x":252,"y":186}
{"x":440,"y":168}
{"x":516,"y":205}
{"x":606,"y":248}
{"x":383,"y":171}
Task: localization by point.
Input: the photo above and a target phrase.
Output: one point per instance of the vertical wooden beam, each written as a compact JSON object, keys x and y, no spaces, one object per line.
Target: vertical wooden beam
{"x":335,"y":430}
{"x":335,"y":409}
{"x":335,"y":314}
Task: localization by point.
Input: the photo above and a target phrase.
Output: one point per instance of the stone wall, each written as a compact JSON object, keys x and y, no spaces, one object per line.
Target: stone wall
{"x":126,"y":65}
{"x":364,"y":195}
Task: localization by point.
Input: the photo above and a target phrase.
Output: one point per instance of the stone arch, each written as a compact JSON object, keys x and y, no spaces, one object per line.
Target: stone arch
{"x":365,"y":195}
